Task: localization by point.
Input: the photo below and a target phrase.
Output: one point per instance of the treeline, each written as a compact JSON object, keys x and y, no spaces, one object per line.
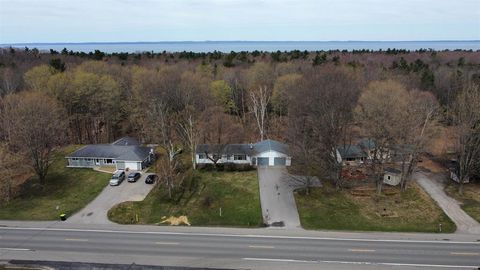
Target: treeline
{"x":312,"y":100}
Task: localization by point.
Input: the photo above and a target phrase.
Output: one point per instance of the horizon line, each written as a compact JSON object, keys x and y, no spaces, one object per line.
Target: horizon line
{"x":229,"y":41}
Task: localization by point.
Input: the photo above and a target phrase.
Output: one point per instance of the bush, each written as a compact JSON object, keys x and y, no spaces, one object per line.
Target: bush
{"x":228,"y":167}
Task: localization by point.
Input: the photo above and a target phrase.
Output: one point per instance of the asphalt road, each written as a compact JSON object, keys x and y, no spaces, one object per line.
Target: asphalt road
{"x":184,"y":247}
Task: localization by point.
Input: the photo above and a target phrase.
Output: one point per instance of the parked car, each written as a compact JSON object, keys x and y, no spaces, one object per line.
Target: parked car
{"x":133,"y":176}
{"x":151,"y":179}
{"x":117,"y":178}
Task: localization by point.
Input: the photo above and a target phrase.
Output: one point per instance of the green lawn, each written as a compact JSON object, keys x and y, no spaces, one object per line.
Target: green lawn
{"x":411,"y":211}
{"x":68,"y":188}
{"x":470,"y":199}
{"x":203,"y":195}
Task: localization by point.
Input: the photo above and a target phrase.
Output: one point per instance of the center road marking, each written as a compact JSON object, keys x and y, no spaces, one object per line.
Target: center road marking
{"x":466,"y":253}
{"x":167,"y":243}
{"x":265,"y":247}
{"x":76,"y":239}
{"x":258,"y":236}
{"x":16,"y":249}
{"x":362,"y":250}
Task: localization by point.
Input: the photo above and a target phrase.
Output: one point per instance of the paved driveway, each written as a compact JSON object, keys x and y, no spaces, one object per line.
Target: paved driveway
{"x":276,"y":196}
{"x":432,"y":184}
{"x":96,"y":211}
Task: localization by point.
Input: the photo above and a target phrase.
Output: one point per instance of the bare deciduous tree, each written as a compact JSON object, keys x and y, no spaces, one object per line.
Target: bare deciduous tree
{"x":467,"y":120}
{"x":188,"y":129}
{"x":379,"y":111}
{"x":418,"y":122}
{"x":324,"y":101}
{"x":259,"y":103}
{"x":35,"y":126}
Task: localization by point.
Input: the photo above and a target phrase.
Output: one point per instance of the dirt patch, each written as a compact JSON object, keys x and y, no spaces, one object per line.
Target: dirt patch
{"x":431,"y":165}
{"x":175,"y":221}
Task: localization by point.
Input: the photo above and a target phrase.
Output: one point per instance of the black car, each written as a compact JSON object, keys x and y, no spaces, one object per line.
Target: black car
{"x":133,"y":176}
{"x":151,"y":179}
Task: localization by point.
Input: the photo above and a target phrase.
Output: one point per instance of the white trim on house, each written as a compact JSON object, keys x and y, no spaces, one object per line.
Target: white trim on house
{"x":250,"y":155}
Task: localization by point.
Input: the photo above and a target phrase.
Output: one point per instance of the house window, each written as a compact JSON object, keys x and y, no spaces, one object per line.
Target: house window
{"x":388,"y":177}
{"x":201,"y":156}
{"x":240,"y":157}
{"x":108,"y":161}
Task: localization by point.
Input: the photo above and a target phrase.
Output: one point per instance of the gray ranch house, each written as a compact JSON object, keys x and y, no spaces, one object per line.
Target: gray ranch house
{"x":264,"y":153}
{"x":122,"y":154}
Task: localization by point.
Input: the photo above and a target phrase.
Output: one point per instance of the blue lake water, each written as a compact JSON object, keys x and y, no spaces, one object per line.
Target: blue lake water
{"x":228,"y":46}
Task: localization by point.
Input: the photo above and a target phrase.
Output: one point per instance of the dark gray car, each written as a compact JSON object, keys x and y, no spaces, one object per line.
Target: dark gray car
{"x":133,"y":176}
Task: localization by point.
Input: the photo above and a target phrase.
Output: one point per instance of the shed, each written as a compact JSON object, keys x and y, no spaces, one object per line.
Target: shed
{"x":392,"y":176}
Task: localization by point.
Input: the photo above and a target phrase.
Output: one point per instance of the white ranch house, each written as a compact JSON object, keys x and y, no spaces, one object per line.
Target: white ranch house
{"x":264,"y":153}
{"x":125,"y":153}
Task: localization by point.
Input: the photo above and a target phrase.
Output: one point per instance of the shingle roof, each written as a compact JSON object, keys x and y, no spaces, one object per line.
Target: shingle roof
{"x":246,"y":149}
{"x":227,"y":149}
{"x":392,"y":170}
{"x":351,"y":151}
{"x":271,"y":145}
{"x":126,"y":141}
{"x":366,"y":143}
{"x":118,"y":152}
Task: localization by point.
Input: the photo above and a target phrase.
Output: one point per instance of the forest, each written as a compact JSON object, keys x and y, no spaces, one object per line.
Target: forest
{"x":313,"y":101}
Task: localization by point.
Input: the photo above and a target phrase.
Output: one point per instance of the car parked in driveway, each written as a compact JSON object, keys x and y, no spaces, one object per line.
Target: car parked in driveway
{"x":133,"y":177}
{"x":117,"y":178}
{"x":151,"y":179}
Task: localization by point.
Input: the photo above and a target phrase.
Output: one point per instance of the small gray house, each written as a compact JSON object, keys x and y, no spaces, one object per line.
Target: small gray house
{"x":122,"y":154}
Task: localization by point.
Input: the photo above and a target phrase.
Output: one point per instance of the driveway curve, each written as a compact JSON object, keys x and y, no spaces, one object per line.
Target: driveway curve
{"x":96,"y":211}
{"x":434,"y":187}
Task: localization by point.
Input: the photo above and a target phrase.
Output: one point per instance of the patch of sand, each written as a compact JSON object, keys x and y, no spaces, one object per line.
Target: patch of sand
{"x":175,"y":221}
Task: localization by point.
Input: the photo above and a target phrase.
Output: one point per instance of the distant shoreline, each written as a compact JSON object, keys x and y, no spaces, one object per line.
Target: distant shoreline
{"x":232,"y":41}
{"x":237,"y":46}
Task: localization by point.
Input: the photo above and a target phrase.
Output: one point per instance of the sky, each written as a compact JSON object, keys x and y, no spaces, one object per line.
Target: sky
{"x":35,"y":21}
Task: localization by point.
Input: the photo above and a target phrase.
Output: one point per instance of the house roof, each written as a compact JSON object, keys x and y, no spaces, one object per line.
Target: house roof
{"x":366,"y":143}
{"x":271,"y":145}
{"x":126,"y":141}
{"x":392,"y":170}
{"x":118,"y":152}
{"x":351,"y":151}
{"x":243,"y":149}
{"x":227,"y":149}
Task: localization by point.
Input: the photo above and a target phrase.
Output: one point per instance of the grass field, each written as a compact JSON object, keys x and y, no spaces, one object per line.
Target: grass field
{"x":68,"y":188}
{"x":205,"y":192}
{"x":470,"y":199}
{"x":411,"y":211}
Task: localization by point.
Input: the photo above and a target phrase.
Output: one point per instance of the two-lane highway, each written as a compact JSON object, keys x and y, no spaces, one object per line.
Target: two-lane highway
{"x":233,"y":249}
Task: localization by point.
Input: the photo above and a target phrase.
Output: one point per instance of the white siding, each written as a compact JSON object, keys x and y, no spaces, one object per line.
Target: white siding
{"x":224,"y":159}
{"x":133,"y":165}
{"x":391,"y":179}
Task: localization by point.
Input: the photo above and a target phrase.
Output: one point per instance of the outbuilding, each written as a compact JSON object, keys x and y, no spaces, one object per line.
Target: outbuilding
{"x":392,"y":176}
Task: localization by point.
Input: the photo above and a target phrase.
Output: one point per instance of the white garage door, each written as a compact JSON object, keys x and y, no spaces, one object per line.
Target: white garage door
{"x":133,"y":165}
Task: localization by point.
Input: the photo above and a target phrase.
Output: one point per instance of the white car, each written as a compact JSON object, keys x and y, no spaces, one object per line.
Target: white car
{"x":117,"y":178}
